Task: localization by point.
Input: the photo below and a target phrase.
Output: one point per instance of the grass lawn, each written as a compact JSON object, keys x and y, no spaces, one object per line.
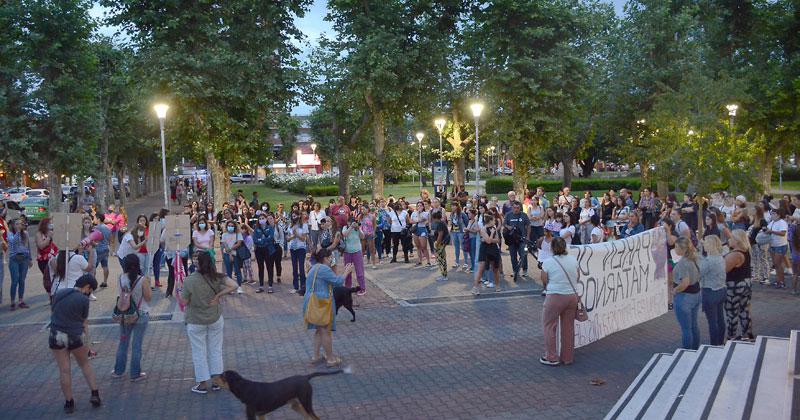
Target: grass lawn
{"x":787,"y":186}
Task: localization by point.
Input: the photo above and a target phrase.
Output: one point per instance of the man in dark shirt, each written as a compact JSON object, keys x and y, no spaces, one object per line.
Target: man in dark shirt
{"x":689,"y":212}
{"x":517,"y":226}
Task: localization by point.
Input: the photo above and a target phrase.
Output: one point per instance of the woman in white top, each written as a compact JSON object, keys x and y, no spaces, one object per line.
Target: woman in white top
{"x":559,"y":275}
{"x":313,"y":220}
{"x":68,"y":266}
{"x":132,"y":279}
{"x":399,"y":221}
{"x":585,"y":221}
{"x":778,"y":243}
{"x":568,"y":231}
{"x":597,"y":233}
{"x":203,"y":239}
{"x":419,"y":221}
{"x":544,"y":244}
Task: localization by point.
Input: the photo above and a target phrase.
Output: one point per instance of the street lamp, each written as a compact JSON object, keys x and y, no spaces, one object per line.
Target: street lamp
{"x":732,"y":108}
{"x":420,"y":136}
{"x":161,"y":113}
{"x":477,"y":108}
{"x":491,"y":157}
{"x":440,"y":122}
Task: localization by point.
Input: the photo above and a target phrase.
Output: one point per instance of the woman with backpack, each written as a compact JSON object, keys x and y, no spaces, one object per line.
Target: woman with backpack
{"x":202,"y":291}
{"x":134,"y":291}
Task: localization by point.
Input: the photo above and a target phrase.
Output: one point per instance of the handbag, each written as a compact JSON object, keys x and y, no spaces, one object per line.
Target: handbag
{"x":243,"y":253}
{"x":404,"y":231}
{"x":762,"y":238}
{"x":319,"y":312}
{"x":580,"y":314}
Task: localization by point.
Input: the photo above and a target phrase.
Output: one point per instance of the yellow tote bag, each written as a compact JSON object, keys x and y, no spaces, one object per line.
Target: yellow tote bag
{"x":319,"y":311}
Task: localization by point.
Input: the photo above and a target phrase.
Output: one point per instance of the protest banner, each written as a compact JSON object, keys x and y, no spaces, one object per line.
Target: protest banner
{"x":178,"y":231}
{"x":622,"y":283}
{"x":67,"y":229}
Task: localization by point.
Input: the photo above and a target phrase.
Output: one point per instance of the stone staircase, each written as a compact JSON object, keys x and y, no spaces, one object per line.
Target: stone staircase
{"x":742,"y":380}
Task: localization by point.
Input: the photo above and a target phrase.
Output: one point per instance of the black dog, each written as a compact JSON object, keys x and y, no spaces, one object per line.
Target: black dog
{"x":261,"y":398}
{"x":344,"y":297}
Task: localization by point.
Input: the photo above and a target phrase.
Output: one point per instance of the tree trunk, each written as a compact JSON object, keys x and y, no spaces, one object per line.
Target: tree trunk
{"x":765,"y":171}
{"x":520,"y":178}
{"x":663,"y":189}
{"x":54,"y":185}
{"x":220,"y":180}
{"x":344,"y":175}
{"x":645,"y":169}
{"x":109,"y":183}
{"x":81,"y":192}
{"x":459,"y":173}
{"x":379,"y":128}
{"x":566,"y":164}
{"x":101,"y":181}
{"x":587,"y":166}
{"x":123,"y":197}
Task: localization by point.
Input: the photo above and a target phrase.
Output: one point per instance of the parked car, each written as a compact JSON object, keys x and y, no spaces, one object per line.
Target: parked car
{"x":243,"y":179}
{"x":38,"y":192}
{"x":17,"y":194}
{"x":36,"y":208}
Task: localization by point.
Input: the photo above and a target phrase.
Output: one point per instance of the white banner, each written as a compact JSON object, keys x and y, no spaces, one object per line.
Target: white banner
{"x":622,"y":283}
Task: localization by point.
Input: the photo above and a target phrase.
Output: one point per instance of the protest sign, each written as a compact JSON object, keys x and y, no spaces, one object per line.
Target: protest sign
{"x":178,"y":232}
{"x":622,"y":283}
{"x":67,"y":229}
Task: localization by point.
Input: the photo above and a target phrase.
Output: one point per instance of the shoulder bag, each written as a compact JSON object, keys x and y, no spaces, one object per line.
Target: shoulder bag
{"x":580,"y":314}
{"x":319,"y":312}
{"x":404,"y":231}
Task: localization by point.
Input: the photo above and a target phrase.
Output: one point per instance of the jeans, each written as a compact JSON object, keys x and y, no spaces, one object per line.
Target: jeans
{"x":18,"y":270}
{"x":536,"y":233}
{"x":686,"y":306}
{"x":206,"y":345}
{"x":379,"y":243}
{"x":519,"y":257}
{"x":299,"y":269}
{"x":714,"y":308}
{"x":476,"y":243}
{"x":471,"y":253}
{"x":262,"y":259}
{"x":314,"y":236}
{"x":456,"y":238}
{"x":396,"y":241}
{"x":232,"y":264}
{"x":127,"y":334}
{"x":158,"y":261}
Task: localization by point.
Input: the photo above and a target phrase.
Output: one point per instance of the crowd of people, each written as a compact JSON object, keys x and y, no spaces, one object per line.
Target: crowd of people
{"x":718,"y":249}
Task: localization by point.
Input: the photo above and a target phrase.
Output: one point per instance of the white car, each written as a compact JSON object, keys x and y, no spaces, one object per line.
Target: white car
{"x":39,"y":192}
{"x":243,"y":179}
{"x":16,"y":194}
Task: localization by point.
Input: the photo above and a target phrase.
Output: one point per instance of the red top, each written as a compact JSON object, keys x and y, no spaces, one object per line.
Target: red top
{"x":143,"y":248}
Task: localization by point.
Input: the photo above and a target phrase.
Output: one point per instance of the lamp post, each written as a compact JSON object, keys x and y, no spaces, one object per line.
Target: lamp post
{"x":732,"y":108}
{"x":314,"y":151}
{"x":477,"y":108}
{"x":490,"y":158}
{"x":161,"y":112}
{"x":420,"y":136}
{"x":297,"y":160}
{"x":440,"y":122}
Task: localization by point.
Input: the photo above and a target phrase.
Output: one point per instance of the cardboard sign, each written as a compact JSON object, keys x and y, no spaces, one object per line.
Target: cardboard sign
{"x":178,"y":231}
{"x":153,"y":237}
{"x":67,"y":229}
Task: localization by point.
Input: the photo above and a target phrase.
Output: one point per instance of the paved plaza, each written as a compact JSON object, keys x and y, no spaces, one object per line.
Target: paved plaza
{"x":429,"y":353}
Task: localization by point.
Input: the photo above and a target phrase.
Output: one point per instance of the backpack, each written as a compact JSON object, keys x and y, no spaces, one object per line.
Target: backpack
{"x":126,"y":312}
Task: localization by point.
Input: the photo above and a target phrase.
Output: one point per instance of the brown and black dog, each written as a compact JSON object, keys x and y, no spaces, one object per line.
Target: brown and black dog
{"x":261,"y":398}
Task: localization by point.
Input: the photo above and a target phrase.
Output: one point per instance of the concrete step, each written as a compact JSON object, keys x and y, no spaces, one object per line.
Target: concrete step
{"x":638,"y":393}
{"x":665,"y":393}
{"x":768,"y":390}
{"x":792,"y":401}
{"x":696,"y":391}
{"x":729,"y":397}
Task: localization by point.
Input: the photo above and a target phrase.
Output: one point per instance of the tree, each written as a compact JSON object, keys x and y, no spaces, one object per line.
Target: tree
{"x":228,"y":70}
{"x":14,"y":120}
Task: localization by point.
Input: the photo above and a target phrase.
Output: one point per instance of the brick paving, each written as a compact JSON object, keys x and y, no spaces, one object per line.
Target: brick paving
{"x":470,"y":359}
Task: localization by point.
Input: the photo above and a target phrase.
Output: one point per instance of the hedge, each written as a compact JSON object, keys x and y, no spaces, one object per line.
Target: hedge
{"x":322,"y":190}
{"x":789,"y":174}
{"x":504,"y":184}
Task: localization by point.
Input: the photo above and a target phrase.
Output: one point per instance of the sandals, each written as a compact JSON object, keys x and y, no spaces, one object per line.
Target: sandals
{"x":333,"y":362}
{"x":317,"y":360}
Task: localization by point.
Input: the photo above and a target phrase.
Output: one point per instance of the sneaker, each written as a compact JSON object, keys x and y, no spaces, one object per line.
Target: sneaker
{"x":455,"y":266}
{"x":490,"y":285}
{"x":517,"y":278}
{"x":544,"y":361}
{"x":116,"y":375}
{"x":441,"y":278}
{"x":279,"y":279}
{"x":142,"y":376}
{"x":95,"y":399}
{"x":374,"y":266}
{"x":269,"y":290}
{"x":215,"y":387}
{"x":466,"y":268}
{"x":23,"y":305}
{"x":293,"y":291}
{"x":13,"y":307}
{"x":525,"y":273}
{"x":69,"y":407}
{"x":260,"y":290}
{"x":475,"y":291}
{"x":197,"y":390}
{"x":361,"y":292}
{"x":92,"y":297}
{"x":498,"y":289}
{"x":104,"y":284}
{"x":419,"y":264}
{"x":239,"y":290}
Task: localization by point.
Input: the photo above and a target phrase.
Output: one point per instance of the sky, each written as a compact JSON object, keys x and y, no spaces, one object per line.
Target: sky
{"x":313,"y":25}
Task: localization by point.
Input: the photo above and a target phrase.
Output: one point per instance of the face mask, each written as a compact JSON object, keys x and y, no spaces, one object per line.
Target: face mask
{"x":262,"y":222}
{"x":264,"y":208}
{"x":231,"y":229}
{"x":50,"y":226}
{"x":202,"y":225}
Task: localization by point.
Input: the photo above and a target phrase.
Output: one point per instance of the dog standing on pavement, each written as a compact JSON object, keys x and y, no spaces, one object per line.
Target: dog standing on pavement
{"x":261,"y":398}
{"x":343,"y":296}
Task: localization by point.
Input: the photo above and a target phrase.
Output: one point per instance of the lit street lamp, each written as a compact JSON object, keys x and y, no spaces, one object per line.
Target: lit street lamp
{"x":477,"y":108}
{"x":440,"y":122}
{"x":161,"y":112}
{"x":420,"y":136}
{"x":732,"y":108}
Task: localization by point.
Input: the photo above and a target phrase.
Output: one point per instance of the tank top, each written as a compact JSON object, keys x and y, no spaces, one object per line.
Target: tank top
{"x":488,"y":249}
{"x":741,"y":273}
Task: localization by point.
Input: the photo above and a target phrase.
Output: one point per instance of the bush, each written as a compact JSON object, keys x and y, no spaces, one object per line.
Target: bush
{"x":322,"y":190}
{"x":789,"y":174}
{"x":504,"y":184}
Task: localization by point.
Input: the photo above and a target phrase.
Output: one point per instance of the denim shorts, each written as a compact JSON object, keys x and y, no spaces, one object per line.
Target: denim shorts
{"x":780,"y":250}
{"x":59,"y":340}
{"x":102,"y":259}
